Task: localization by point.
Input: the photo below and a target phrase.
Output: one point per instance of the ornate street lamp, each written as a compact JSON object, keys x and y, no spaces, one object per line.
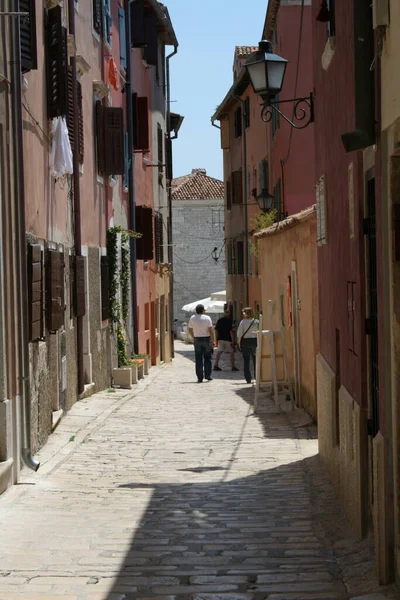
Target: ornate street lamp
{"x":267,"y":72}
{"x":265,"y":200}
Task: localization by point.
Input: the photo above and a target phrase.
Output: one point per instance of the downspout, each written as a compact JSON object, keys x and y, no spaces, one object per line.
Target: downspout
{"x":21,"y":266}
{"x":246,"y":225}
{"x":131,"y":164}
{"x":77,"y":193}
{"x":170,"y":248}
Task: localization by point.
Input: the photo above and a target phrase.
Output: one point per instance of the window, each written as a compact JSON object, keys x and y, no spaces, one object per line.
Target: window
{"x":141,"y":138}
{"x":70,"y":117}
{"x":322,"y":237}
{"x":246,"y":115}
{"x":150,"y":51}
{"x":110,"y":140}
{"x":240,"y":258}
{"x":238,"y":122}
{"x":237,"y":187}
{"x":159,"y":233}
{"x":234,"y":267}
{"x":27,"y":33}
{"x":263,"y":174}
{"x":229,"y":255}
{"x":275,"y":121}
{"x":57,"y":57}
{"x":107,"y":21}
{"x":217,"y":220}
{"x":122,"y":37}
{"x":55,"y":305}
{"x":147,"y":316}
{"x":144,"y":225}
{"x":228,"y":194}
{"x":138,"y":37}
{"x":80,"y":270}
{"x":35,"y":292}
{"x":97,"y":16}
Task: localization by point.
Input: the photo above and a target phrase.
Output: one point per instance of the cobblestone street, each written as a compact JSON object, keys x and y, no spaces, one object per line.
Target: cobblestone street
{"x":177,"y":491}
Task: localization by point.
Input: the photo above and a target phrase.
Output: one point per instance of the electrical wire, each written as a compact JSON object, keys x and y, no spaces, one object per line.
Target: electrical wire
{"x":35,"y":121}
{"x":297,"y":77}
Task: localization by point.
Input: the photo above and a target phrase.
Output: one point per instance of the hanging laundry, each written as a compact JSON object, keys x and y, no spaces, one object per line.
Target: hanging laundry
{"x":113,"y":75}
{"x":61,"y":153}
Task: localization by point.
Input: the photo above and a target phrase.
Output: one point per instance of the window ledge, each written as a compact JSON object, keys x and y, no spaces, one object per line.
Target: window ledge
{"x":328,"y":53}
{"x":101,"y":89}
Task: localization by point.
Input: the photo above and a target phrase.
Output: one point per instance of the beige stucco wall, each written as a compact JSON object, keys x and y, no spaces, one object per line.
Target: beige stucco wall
{"x":389,"y":68}
{"x":295,"y":243}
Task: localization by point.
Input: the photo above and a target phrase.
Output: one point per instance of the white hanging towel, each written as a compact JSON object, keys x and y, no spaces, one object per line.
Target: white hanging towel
{"x":61,"y":153}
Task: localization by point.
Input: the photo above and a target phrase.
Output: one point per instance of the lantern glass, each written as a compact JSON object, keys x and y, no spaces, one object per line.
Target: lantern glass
{"x":266,"y":70}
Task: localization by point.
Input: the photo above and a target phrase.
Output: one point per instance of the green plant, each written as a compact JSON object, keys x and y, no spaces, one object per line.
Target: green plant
{"x":72,"y":438}
{"x":125,"y":276}
{"x":260,"y":222}
{"x":111,"y":391}
{"x":139,"y":355}
{"x":121,"y":347}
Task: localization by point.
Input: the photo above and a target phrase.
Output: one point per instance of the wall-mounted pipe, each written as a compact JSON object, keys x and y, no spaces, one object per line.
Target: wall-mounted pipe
{"x":21,"y":264}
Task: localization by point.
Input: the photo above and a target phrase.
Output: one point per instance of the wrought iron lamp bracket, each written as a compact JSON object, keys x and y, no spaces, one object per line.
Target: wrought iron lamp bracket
{"x":303,"y":110}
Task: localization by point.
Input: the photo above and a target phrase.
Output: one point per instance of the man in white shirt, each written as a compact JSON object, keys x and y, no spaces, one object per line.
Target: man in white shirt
{"x":201,"y":329}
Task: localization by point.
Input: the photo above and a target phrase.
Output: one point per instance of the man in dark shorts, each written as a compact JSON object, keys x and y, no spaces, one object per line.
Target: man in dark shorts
{"x":224,"y":336}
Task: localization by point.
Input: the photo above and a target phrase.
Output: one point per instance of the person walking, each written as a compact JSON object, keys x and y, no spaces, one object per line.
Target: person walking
{"x":225,"y":340}
{"x":201,"y":329}
{"x":247,"y":341}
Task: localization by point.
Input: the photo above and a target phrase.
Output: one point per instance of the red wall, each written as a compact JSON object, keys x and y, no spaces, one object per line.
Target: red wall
{"x":341,"y":259}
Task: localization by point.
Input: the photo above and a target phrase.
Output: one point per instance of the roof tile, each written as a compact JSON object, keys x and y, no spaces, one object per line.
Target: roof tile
{"x":197,"y":186}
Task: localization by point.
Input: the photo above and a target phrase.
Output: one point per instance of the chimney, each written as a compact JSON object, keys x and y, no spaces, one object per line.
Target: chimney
{"x":202,"y":171}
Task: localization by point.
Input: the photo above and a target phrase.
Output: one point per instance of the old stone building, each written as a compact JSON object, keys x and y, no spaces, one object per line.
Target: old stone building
{"x":198,"y":238}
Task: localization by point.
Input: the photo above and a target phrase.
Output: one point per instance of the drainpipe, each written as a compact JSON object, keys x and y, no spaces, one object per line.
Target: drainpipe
{"x":21,"y":266}
{"x":246,"y":225}
{"x":170,"y":248}
{"x":77,"y":193}
{"x":131,"y":165}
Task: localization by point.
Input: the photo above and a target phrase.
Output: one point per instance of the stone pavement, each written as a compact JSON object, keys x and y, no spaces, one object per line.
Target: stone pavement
{"x":177,"y":491}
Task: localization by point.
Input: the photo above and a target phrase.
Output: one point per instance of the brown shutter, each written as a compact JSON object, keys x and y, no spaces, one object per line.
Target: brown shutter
{"x":80,"y":262}
{"x":27,"y":32}
{"x":160,"y":145}
{"x":159,"y":238}
{"x":35,"y":292}
{"x":104,"y":288}
{"x":228,"y":194}
{"x":143,"y":142}
{"x":81,"y":148}
{"x":135,"y":119}
{"x":100,"y":137}
{"x":114,"y":141}
{"x":57,"y":76}
{"x":72,"y":287}
{"x":237,"y":187}
{"x":150,"y":51}
{"x":144,"y":225}
{"x":138,"y":36}
{"x":55,"y":290}
{"x":70,"y":113}
{"x":97,"y":16}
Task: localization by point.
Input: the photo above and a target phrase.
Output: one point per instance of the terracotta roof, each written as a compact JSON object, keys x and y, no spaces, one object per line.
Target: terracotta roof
{"x":287,"y":223}
{"x":197,"y":186}
{"x":245,"y":50}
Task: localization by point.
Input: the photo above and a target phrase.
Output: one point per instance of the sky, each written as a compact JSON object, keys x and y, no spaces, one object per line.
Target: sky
{"x":201,"y":72}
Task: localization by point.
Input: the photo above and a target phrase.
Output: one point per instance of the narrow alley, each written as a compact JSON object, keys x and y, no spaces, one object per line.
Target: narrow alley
{"x":178,"y":491}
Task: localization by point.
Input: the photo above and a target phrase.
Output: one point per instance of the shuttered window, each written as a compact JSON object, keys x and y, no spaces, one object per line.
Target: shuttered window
{"x":122,"y":37}
{"x":27,"y":32}
{"x":160,"y":145}
{"x":55,"y":290}
{"x":228,"y":194}
{"x":229,"y":256}
{"x":240,"y":258}
{"x":144,"y":225}
{"x":141,"y":123}
{"x":246,"y":114}
{"x":238,"y":122}
{"x":125,"y":180}
{"x":70,"y":117}
{"x":104,"y":288}
{"x":150,"y":51}
{"x":56,"y":54}
{"x":159,"y":235}
{"x":80,"y":270}
{"x":237,"y":187}
{"x":72,"y":287}
{"x":110,"y":140}
{"x":35,"y":292}
{"x":138,"y":36}
{"x":97,"y":16}
{"x":263,"y":174}
{"x":107,"y":22}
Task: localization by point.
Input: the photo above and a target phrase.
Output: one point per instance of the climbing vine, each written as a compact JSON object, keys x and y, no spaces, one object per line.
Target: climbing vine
{"x":260,"y":222}
{"x":125,"y":276}
{"x":121,"y":347}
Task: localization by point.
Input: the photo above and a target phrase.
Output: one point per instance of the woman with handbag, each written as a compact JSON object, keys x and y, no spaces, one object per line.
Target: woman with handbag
{"x":247,"y":341}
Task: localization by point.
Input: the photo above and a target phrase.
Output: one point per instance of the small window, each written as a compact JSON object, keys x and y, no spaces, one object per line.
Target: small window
{"x":240,"y":258}
{"x":228,"y":194}
{"x":217,"y":220}
{"x":331,"y":22}
{"x":238,"y":122}
{"x":246,"y":115}
{"x":147,"y":316}
{"x":97,"y":16}
{"x":107,"y":22}
{"x":28,"y":35}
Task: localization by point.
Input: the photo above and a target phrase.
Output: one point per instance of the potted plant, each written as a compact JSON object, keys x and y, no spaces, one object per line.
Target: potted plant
{"x":145,"y":360}
{"x":132,"y":363}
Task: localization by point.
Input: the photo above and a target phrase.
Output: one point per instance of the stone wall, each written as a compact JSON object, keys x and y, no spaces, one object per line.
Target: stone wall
{"x":198,"y":227}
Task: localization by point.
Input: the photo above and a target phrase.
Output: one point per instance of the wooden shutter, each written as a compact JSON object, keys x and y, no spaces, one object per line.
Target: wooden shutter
{"x":240,"y":256}
{"x":238,"y":122}
{"x":237,"y":187}
{"x":107,"y":22}
{"x":159,"y":235}
{"x":114,"y":141}
{"x":228,"y":194}
{"x":80,"y":264}
{"x":97,"y":16}
{"x":125,"y":180}
{"x":81,"y":141}
{"x":160,"y":145}
{"x":70,"y":112}
{"x":142,"y":123}
{"x":122,"y":37}
{"x":225,"y":137}
{"x":246,"y":115}
{"x":104,"y":288}
{"x":135,"y":119}
{"x":57,"y":76}
{"x":150,"y":51}
{"x":229,"y":254}
{"x":100,"y":145}
{"x":55,"y":290}
{"x":138,"y":35}
{"x":27,"y":32}
{"x":35,"y":292}
{"x":144,"y":225}
{"x":72,"y":287}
